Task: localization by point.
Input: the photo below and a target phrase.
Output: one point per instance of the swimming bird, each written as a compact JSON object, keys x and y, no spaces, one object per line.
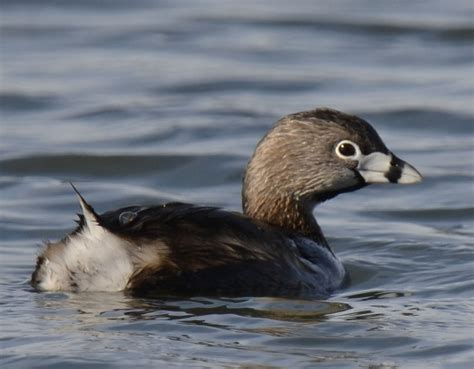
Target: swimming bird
{"x":274,"y":248}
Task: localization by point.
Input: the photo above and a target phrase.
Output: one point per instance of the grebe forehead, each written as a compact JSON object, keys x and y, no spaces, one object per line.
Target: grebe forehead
{"x":329,"y":127}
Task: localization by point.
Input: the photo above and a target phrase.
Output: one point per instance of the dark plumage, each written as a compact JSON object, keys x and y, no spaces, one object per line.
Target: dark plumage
{"x":275,"y":248}
{"x":213,"y":251}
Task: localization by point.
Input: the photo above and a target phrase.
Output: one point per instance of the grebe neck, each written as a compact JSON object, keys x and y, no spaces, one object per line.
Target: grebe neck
{"x":288,"y":213}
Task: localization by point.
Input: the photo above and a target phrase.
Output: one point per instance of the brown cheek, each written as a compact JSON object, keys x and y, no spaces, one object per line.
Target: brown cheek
{"x":353,"y":164}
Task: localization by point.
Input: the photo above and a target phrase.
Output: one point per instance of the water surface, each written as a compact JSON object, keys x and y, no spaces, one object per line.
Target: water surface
{"x":152,"y":101}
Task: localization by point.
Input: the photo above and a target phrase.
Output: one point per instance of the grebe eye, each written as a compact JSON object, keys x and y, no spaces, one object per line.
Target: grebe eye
{"x":347,"y":149}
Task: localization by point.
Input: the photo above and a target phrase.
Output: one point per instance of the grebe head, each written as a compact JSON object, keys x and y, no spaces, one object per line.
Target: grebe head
{"x":312,"y":156}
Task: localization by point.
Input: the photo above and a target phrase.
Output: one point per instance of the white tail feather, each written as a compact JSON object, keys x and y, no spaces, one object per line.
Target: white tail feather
{"x":91,"y":219}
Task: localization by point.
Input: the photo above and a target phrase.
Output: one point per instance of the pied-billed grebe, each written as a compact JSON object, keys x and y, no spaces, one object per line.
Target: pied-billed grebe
{"x":275,"y":248}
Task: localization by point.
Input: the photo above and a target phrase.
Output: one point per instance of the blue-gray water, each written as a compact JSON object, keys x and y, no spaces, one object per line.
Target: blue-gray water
{"x":149,"y":101}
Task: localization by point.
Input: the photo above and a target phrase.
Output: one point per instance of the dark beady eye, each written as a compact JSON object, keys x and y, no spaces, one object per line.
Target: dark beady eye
{"x":346,"y":149}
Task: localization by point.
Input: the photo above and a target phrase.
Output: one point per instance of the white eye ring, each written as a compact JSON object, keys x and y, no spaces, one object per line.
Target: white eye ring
{"x":348,"y":150}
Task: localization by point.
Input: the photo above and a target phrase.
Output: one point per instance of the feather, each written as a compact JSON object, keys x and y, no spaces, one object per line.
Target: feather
{"x":91,"y":218}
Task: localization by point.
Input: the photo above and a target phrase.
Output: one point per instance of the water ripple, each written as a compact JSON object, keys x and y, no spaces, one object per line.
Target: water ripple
{"x":19,"y":102}
{"x":385,"y":27}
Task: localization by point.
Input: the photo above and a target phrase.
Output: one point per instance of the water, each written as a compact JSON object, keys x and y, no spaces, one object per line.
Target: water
{"x":152,"y":101}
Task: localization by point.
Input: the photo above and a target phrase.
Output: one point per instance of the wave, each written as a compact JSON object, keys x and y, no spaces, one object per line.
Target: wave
{"x":239,"y":85}
{"x":106,"y":112}
{"x":106,"y":165}
{"x":422,"y":118}
{"x":435,"y":214}
{"x":385,"y":27}
{"x":17,"y":101}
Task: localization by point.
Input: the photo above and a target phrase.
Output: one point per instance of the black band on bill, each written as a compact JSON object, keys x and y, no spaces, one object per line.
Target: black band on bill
{"x":395,"y":171}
